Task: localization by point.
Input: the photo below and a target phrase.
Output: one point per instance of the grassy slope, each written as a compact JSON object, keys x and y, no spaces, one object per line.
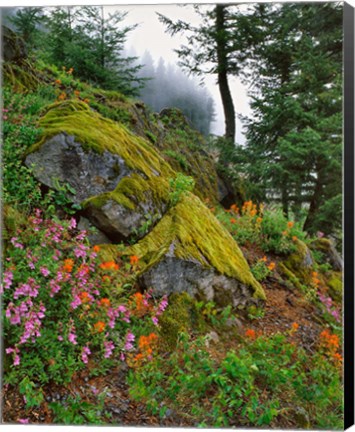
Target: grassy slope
{"x":266,"y":367}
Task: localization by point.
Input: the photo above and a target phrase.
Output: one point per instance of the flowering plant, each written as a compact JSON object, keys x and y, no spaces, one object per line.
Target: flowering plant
{"x":58,"y":316}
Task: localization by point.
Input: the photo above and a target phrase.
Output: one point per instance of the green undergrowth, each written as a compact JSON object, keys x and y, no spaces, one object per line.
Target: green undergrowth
{"x":265,"y":382}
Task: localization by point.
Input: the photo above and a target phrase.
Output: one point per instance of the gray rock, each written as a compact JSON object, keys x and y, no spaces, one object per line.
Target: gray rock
{"x":119,"y":222}
{"x":63,"y":159}
{"x":174,"y":275}
{"x":14,"y":49}
{"x":95,"y":236}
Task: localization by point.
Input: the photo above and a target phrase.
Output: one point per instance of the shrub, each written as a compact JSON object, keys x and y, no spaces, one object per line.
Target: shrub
{"x":179,"y":186}
{"x":267,"y":228}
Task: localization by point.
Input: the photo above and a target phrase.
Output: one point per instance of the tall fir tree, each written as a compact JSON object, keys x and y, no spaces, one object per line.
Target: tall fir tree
{"x":293,"y":151}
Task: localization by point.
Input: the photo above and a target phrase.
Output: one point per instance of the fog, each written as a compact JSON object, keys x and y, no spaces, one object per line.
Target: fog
{"x":150,"y":35}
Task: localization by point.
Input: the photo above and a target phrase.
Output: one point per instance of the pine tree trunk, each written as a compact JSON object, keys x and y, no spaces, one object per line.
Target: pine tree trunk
{"x":227,"y":101}
{"x":313,"y":207}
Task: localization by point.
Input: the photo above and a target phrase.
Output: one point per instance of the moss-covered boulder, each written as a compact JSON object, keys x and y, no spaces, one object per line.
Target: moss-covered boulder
{"x":117,"y":177}
{"x":190,"y":251}
{"x":183,"y":147}
{"x":299,"y":265}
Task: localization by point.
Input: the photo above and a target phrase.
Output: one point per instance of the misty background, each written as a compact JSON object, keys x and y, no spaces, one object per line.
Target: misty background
{"x":166,"y":84}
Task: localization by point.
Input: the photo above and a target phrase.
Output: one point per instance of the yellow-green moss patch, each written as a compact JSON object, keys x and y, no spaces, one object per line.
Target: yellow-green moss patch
{"x":99,"y":134}
{"x":181,"y":316}
{"x":335,"y":284}
{"x":196,"y":235}
{"x":300,"y":263}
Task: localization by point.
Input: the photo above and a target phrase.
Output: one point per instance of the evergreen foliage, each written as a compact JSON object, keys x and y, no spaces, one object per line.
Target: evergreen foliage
{"x":294,"y":138}
{"x":166,"y":86}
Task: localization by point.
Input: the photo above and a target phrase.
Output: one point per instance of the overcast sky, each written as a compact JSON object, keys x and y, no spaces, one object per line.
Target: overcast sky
{"x":150,"y":35}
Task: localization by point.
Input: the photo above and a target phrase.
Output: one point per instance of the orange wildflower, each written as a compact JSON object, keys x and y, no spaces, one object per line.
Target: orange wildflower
{"x":234,"y":208}
{"x":70,"y":71}
{"x":271,"y":266}
{"x":233,"y":221}
{"x":290,"y":224}
{"x":77,"y":93}
{"x":58,"y":81}
{"x":105,"y":302}
{"x":329,"y":341}
{"x":99,"y":326}
{"x":86,"y":100}
{"x":62,"y":96}
{"x":337,"y":358}
{"x":96,"y":248}
{"x":259,"y":220}
{"x":294,"y":238}
{"x":106,"y":278}
{"x":109,"y":265}
{"x":264,"y":258}
{"x":84,"y":297}
{"x":68,"y":265}
{"x":133,"y":260}
{"x":314,"y":274}
{"x":284,"y":233}
{"x":250,"y":333}
{"x":295,"y":326}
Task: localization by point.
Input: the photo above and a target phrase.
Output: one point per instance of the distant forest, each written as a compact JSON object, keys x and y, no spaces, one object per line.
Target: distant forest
{"x":168,"y":86}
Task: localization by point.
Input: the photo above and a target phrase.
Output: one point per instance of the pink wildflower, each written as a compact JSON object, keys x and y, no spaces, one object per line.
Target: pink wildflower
{"x":109,"y":347}
{"x":23,"y":421}
{"x":85,"y":353}
{"x":72,"y":223}
{"x":72,"y":338}
{"x":129,"y":339}
{"x":45,"y":272}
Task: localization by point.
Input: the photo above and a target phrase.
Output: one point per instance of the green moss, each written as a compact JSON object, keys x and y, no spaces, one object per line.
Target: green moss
{"x":335,"y":284}
{"x":289,"y":276}
{"x":99,"y":134}
{"x":133,"y":190}
{"x":197,"y":236}
{"x":151,"y":172}
{"x":297,"y":265}
{"x":321,"y":244}
{"x":181,"y":315}
{"x":21,"y":78}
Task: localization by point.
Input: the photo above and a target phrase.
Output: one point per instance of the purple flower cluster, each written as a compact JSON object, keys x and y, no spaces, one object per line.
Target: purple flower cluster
{"x":160,"y":309}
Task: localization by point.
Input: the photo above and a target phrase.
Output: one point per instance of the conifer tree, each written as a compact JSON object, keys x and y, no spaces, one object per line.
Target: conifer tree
{"x":293,"y":151}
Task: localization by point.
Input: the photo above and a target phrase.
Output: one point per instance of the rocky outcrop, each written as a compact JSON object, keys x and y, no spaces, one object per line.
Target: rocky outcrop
{"x":189,"y":251}
{"x":117,"y":177}
{"x":17,"y":70}
{"x":122,"y":184}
